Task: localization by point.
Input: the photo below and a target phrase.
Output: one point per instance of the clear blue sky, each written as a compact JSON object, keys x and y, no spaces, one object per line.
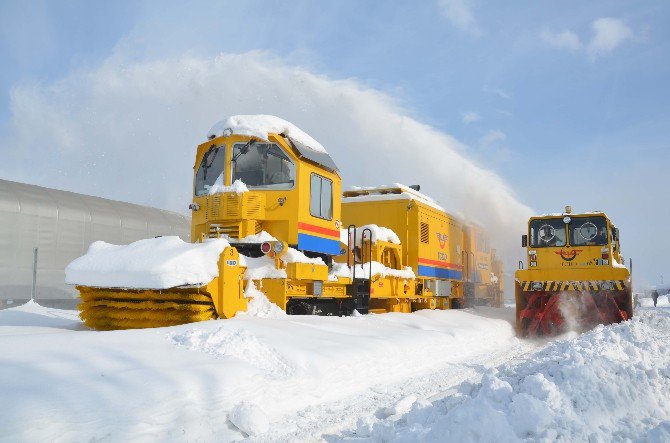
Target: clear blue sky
{"x":566,"y":101}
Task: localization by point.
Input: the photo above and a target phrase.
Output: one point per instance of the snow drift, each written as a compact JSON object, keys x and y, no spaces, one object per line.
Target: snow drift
{"x":612,"y":383}
{"x":215,"y":380}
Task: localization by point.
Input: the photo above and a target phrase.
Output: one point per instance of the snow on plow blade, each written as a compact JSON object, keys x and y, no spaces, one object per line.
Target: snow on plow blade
{"x":157,"y":282}
{"x":546,"y":313}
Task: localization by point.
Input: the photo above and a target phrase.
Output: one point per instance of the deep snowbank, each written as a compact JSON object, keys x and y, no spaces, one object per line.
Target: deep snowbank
{"x":192,"y":382}
{"x":610,"y":384}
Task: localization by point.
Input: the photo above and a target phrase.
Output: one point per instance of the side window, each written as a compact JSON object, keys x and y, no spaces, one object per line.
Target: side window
{"x":321,"y":197}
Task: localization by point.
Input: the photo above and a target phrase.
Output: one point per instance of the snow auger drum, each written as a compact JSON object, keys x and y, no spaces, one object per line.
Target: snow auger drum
{"x":574,"y":279}
{"x":546,"y":313}
{"x":108,"y":309}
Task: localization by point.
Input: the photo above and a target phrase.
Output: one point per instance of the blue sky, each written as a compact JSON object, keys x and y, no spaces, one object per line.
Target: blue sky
{"x":566,"y":101}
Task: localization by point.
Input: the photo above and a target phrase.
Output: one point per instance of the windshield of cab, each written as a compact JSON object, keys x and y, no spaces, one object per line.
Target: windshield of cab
{"x":262,"y":165}
{"x":545,"y":233}
{"x":211,"y":167}
{"x":588,"y":231}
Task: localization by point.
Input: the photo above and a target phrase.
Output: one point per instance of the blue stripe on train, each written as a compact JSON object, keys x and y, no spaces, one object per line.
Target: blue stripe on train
{"x":313,"y":243}
{"x":429,"y":271}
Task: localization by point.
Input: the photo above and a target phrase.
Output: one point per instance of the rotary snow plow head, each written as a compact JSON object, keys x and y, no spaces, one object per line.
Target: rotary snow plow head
{"x":574,"y":278}
{"x":550,"y":313}
{"x":157,"y":282}
{"x":115,"y":308}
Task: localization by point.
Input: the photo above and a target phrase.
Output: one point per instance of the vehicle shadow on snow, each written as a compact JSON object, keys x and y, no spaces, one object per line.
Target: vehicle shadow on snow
{"x":48,"y":318}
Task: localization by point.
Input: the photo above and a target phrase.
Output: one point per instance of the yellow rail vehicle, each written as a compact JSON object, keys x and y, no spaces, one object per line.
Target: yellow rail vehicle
{"x":430,"y":238}
{"x":278,"y":202}
{"x":574,"y":274}
{"x":242,"y":186}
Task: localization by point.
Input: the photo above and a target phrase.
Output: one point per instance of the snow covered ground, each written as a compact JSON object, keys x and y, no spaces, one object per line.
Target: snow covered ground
{"x":431,"y":375}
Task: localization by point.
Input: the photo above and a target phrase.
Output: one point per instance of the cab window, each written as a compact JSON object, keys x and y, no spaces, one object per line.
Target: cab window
{"x":588,"y":231}
{"x":321,"y":197}
{"x":262,"y":165}
{"x":210,"y":169}
{"x":546,"y":233}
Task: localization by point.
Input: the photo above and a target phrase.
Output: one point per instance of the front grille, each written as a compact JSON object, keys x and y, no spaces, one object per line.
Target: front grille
{"x":231,"y":206}
{"x":229,"y":229}
{"x":214,"y":207}
{"x":253,"y":209}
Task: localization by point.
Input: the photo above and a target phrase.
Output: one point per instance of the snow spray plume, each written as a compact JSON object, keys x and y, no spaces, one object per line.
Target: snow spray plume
{"x":96,"y":131}
{"x":571,"y":307}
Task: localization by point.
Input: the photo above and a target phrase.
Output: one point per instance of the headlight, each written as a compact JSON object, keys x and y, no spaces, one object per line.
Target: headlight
{"x":278,"y":247}
{"x":266,"y":247}
{"x":537,"y":286}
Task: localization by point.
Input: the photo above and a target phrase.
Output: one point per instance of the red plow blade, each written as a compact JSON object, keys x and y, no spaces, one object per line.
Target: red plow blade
{"x":547,"y":314}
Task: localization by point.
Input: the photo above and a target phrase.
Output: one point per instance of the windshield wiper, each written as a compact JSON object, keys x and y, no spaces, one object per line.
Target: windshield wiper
{"x":206,"y":163}
{"x":243,"y":150}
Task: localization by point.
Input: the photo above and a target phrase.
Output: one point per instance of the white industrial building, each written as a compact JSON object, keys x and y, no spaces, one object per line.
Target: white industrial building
{"x":62,"y":225}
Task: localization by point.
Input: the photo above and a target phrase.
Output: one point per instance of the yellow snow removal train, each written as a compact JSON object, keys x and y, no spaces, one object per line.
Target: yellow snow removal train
{"x":574,"y":274}
{"x":276,"y":198}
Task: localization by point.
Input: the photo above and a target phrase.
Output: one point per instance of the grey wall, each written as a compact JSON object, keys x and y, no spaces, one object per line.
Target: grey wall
{"x":62,"y":225}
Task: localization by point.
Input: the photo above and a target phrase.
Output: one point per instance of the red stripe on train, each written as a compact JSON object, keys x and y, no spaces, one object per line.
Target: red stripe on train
{"x":441,"y":264}
{"x":320,"y":230}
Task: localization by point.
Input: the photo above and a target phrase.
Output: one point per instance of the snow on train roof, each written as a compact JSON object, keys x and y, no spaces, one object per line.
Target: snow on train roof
{"x":261,"y":125}
{"x":574,"y":214}
{"x":396,"y":191}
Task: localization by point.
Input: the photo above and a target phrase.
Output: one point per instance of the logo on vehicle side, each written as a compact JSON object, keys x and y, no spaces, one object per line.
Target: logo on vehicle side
{"x":442,"y":238}
{"x":569,"y":255}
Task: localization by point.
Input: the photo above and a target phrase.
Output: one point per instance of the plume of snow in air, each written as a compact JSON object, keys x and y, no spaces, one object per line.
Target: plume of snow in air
{"x":128,"y":129}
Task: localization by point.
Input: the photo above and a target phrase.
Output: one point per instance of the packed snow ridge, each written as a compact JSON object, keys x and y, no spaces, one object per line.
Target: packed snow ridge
{"x":261,"y":126}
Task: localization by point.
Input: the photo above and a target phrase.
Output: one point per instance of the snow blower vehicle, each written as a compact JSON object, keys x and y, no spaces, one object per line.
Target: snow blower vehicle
{"x":268,"y":218}
{"x":574,"y":278}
